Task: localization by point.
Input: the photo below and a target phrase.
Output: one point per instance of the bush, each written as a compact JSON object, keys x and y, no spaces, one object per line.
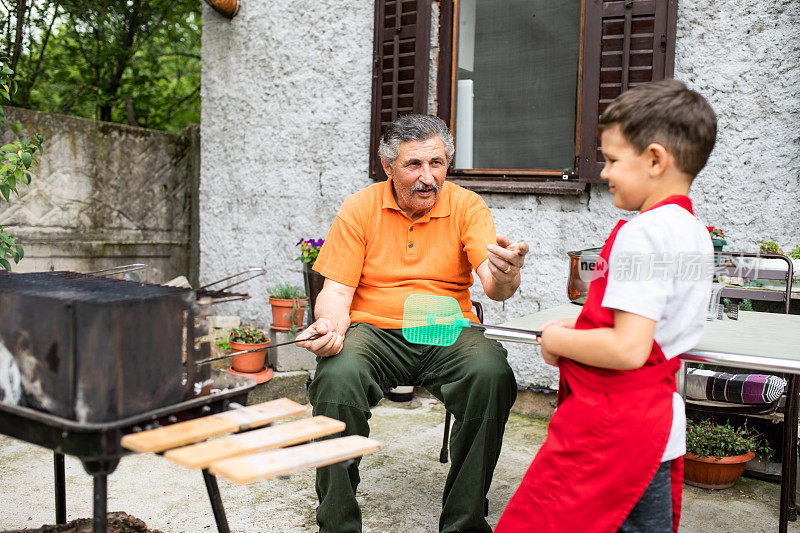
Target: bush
{"x":708,"y":439}
{"x":769,"y":247}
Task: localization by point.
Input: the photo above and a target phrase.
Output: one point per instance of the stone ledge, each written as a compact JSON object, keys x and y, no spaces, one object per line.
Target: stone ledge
{"x":290,"y":385}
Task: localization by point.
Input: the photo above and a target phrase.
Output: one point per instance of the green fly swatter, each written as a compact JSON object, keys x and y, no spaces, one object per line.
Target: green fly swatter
{"x":438,"y":321}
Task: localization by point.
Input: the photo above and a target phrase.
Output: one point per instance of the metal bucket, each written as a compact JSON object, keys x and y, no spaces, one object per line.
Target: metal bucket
{"x":582,"y":265}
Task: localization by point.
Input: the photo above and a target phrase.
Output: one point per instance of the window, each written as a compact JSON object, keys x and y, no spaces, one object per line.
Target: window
{"x":516,"y":80}
{"x":521,"y":82}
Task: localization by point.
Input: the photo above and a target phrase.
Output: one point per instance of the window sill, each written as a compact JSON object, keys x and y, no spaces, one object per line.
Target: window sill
{"x":520,"y":186}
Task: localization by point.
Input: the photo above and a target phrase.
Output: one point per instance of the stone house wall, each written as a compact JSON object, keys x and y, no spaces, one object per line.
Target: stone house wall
{"x":286,"y":91}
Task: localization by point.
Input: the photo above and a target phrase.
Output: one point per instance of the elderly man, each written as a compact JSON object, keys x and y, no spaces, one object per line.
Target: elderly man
{"x":412,"y":234}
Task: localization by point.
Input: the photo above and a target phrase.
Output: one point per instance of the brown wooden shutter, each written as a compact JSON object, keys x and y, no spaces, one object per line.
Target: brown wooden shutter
{"x":626,"y":43}
{"x":400,"y":67}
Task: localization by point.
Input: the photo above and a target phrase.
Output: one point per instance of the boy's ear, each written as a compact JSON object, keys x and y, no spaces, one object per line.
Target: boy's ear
{"x":658,"y":158}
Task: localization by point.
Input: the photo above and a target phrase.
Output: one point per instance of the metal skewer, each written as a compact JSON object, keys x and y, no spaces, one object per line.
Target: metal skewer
{"x":311,"y":338}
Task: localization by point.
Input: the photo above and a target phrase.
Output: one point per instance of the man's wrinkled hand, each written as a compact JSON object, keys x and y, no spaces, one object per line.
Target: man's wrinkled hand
{"x":329,"y":343}
{"x":506,"y":258}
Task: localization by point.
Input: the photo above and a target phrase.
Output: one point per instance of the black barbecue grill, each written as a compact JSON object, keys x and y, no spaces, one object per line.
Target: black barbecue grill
{"x":89,"y":359}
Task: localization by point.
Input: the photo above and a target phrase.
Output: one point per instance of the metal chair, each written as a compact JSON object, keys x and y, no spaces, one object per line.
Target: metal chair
{"x":443,"y":454}
{"x":727,"y":266}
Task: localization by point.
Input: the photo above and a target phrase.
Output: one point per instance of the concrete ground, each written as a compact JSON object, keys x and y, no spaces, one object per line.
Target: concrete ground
{"x":400,"y":489}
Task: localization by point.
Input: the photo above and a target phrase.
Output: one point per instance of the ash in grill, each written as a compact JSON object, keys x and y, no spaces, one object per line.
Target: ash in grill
{"x":94,"y":349}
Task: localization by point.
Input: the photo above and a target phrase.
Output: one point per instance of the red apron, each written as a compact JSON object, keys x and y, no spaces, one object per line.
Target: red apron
{"x":605,"y":440}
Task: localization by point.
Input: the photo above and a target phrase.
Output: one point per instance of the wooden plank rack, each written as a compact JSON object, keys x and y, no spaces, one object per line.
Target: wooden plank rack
{"x":229,"y":445}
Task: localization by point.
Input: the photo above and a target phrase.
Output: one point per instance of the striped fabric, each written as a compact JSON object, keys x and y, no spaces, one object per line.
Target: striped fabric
{"x":735,"y":388}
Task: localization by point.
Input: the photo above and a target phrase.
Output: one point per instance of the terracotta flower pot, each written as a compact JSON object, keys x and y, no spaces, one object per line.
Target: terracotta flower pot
{"x":248,"y":362}
{"x":714,"y":472}
{"x":284,"y":315}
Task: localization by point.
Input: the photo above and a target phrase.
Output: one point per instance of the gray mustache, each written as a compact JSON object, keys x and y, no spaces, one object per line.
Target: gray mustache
{"x":419,"y":187}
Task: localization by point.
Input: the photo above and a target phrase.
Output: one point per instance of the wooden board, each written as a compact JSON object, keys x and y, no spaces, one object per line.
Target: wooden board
{"x":203,"y":454}
{"x":199,"y":429}
{"x":276,"y":463}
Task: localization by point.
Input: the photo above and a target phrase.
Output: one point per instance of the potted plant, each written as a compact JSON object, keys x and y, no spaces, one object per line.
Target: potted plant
{"x":313,"y":280}
{"x":717,"y":237}
{"x":771,"y":247}
{"x":716,"y":454}
{"x":288,"y":306}
{"x":794,"y":255}
{"x":247,"y":338}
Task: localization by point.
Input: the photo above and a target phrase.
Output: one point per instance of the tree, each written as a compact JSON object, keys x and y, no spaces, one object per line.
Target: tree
{"x":17,"y":162}
{"x":130,"y":61}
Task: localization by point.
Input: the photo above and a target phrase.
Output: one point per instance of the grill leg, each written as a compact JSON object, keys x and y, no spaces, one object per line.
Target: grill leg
{"x":216,"y":501}
{"x":60,"y":486}
{"x":99,"y":523}
{"x":99,"y":470}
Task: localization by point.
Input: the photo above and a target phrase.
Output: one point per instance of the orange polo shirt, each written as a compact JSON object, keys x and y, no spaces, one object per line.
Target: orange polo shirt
{"x":375,"y":247}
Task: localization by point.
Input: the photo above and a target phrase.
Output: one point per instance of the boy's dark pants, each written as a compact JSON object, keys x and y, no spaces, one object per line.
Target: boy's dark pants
{"x":471,"y":377}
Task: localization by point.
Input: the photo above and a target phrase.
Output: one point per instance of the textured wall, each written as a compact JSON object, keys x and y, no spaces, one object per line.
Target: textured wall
{"x":104,"y":195}
{"x":286,"y":109}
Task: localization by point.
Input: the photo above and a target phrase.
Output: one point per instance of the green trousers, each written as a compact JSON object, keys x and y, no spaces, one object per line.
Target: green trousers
{"x":473,"y":380}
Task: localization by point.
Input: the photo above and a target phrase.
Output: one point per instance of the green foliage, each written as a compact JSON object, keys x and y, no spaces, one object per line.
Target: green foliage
{"x":309,"y":250}
{"x":794,"y":253}
{"x":223,"y":343}
{"x":248,"y":335}
{"x":285,"y":291}
{"x":18,"y":161}
{"x":708,"y":439}
{"x":769,"y":247}
{"x":134,"y":62}
{"x":745,"y":305}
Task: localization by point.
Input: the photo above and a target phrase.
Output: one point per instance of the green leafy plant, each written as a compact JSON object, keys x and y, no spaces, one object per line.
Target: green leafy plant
{"x":17,"y":164}
{"x":769,"y":247}
{"x":794,"y":253}
{"x":248,"y":335}
{"x":285,"y":291}
{"x":223,"y":343}
{"x":745,"y":305}
{"x":708,"y":439}
{"x":715,"y":233}
{"x":309,"y":250}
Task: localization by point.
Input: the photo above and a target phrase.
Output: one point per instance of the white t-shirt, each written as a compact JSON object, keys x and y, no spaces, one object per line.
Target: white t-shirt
{"x":661,"y":267}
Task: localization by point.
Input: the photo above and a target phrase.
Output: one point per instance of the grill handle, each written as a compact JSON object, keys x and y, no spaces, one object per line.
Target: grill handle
{"x":253,"y":271}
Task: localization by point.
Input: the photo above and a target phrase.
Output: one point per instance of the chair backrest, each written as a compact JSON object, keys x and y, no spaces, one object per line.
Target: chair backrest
{"x":751,"y":266}
{"x":478,"y":310}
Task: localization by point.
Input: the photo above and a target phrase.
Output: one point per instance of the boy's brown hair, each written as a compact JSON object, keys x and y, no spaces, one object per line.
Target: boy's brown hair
{"x":667,"y":113}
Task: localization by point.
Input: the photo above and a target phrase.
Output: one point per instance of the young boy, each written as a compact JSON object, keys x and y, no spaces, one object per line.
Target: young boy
{"x":613,"y":457}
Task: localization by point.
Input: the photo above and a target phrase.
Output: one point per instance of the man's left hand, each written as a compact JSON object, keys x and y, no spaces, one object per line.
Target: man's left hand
{"x":506,"y":258}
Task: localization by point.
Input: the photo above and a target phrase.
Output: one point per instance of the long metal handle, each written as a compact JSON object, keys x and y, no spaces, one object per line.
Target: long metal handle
{"x":311,"y":338}
{"x":501,"y":333}
{"x":255,"y":271}
{"x":118,"y":270}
